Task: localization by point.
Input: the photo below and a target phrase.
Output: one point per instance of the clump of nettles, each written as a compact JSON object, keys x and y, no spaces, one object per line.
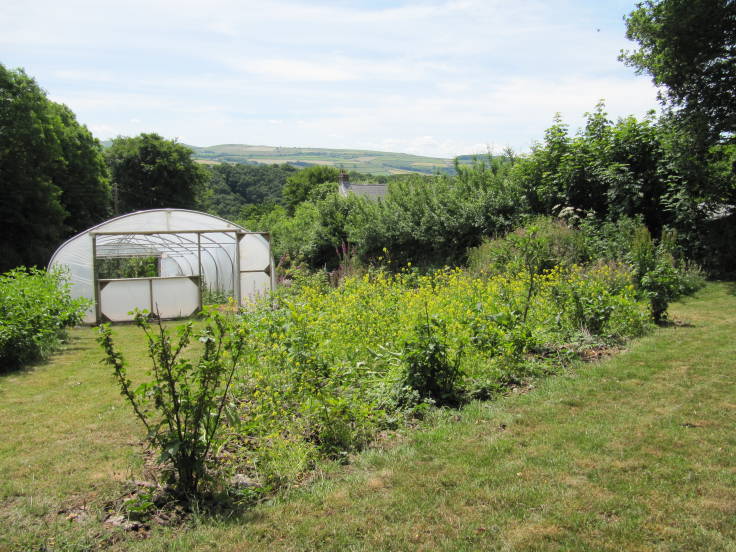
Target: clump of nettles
{"x":431,"y":370}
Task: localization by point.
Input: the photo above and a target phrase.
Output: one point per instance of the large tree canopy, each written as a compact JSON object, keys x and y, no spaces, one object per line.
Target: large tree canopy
{"x":52,"y":173}
{"x":689,"y":48}
{"x":310,"y":183}
{"x":150,"y":172}
{"x":233,"y":188}
{"x":610,"y":169}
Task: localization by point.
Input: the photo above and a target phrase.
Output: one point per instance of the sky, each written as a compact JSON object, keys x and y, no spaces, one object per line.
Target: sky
{"x":437,"y":78}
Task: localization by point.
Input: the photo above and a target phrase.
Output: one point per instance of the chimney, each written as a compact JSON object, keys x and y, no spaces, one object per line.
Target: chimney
{"x":344,"y":183}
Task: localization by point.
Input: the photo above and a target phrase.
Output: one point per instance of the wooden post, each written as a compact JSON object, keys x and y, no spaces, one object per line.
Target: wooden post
{"x":236,"y":272}
{"x":95,"y":283}
{"x":199,"y":267}
{"x":150,"y":297}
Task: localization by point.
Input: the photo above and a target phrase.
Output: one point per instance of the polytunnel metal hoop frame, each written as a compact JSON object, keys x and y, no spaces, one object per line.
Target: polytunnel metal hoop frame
{"x":228,"y":257}
{"x":237,"y":271}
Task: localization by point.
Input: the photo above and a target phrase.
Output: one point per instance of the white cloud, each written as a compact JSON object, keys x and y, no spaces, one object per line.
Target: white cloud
{"x":437,"y":77}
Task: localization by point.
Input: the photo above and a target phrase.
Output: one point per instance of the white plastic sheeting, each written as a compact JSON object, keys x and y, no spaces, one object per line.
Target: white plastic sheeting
{"x":174,"y":297}
{"x":223,"y":255}
{"x":121,"y":296}
{"x":254,"y":284}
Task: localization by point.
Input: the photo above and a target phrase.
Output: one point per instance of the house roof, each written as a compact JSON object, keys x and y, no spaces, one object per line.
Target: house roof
{"x":371,"y":191}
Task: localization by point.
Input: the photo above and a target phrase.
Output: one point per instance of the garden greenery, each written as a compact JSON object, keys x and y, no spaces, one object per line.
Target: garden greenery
{"x":35,"y":310}
{"x":331,"y":366}
{"x":651,"y":170}
{"x":317,"y":370}
{"x":183,"y":404}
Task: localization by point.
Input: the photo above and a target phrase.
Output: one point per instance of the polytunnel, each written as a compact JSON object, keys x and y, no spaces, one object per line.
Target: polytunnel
{"x":192,"y":254}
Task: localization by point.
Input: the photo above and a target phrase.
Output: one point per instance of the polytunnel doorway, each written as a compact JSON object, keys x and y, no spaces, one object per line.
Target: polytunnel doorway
{"x":188,"y":257}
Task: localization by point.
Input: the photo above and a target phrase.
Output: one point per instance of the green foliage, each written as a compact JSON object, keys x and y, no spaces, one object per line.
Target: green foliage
{"x":294,"y":237}
{"x":654,"y":271}
{"x":655,"y":170}
{"x":609,"y":169}
{"x":545,"y":242}
{"x":659,"y":273}
{"x":183,"y":404}
{"x":430,"y":370}
{"x":127,"y":267}
{"x":432,"y":221}
{"x":597,"y":302}
{"x":234,"y":190}
{"x":35,"y":308}
{"x":332,"y":366}
{"x":609,"y":240}
{"x":701,"y":185}
{"x":423,"y":220}
{"x":689,"y":49}
{"x":150,"y":172}
{"x":658,"y":170}
{"x":312,"y":183}
{"x":52,"y":175}
{"x":81,"y":173}
{"x":530,"y":250}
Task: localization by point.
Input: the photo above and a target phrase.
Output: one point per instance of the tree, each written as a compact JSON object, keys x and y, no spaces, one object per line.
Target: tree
{"x":151,"y":172}
{"x":233,"y":189}
{"x":310,"y":183}
{"x":82,"y":174}
{"x":52,"y":176}
{"x":611,"y":169}
{"x":432,"y":222}
{"x":689,"y":48}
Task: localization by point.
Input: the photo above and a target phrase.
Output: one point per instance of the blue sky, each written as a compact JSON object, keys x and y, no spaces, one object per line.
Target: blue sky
{"x":435,"y":78}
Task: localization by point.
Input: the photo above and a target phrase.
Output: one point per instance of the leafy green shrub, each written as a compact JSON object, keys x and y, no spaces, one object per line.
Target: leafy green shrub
{"x":609,"y":240}
{"x":432,"y":221}
{"x":655,"y":273}
{"x":555,"y":244}
{"x":282,"y":459}
{"x":430,"y":369}
{"x":692,"y":278}
{"x":182,"y":405}
{"x":501,"y":334}
{"x":600,"y":301}
{"x":591,"y":311}
{"x":35,"y":309}
{"x":332,"y":418}
{"x":660,"y":274}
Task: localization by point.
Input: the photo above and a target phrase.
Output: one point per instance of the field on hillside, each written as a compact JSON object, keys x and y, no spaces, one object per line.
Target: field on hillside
{"x":363,"y":161}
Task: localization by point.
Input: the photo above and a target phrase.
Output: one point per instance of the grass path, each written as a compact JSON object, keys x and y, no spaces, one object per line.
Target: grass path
{"x":632,"y":453}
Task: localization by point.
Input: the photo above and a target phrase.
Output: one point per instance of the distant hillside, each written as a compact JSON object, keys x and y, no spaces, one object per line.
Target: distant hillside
{"x":364,"y":161}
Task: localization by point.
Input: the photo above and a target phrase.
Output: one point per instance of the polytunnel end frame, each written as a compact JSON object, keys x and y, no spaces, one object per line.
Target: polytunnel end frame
{"x":98,"y":284}
{"x":180,"y":259}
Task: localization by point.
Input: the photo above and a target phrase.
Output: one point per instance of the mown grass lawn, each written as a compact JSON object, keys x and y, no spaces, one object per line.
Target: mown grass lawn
{"x":632,"y":453}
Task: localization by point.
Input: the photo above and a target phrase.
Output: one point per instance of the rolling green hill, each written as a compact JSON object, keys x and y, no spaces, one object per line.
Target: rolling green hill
{"x":364,"y":161}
